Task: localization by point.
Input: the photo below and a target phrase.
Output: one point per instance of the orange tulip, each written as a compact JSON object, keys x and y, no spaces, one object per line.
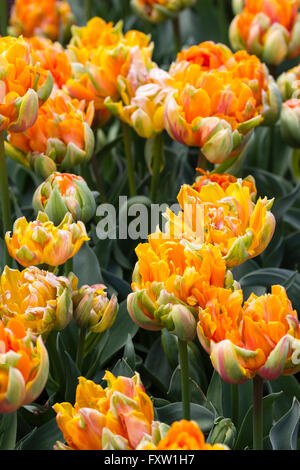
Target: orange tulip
{"x":41,"y":242}
{"x":38,"y":299}
{"x":115,"y":417}
{"x":218,"y":98}
{"x":169,"y":280}
{"x":24,"y":366}
{"x":60,"y":138}
{"x":260,"y":337}
{"x":100,"y":53}
{"x":183,"y":435}
{"x":40,"y":17}
{"x":23,"y":86}
{"x":240,"y":227}
{"x":51,"y":56}
{"x":268,"y":29}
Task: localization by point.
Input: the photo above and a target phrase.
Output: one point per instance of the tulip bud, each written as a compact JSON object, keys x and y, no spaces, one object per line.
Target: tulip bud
{"x":290,"y":122}
{"x":237,"y":6}
{"x":62,"y":193}
{"x":223,"y":432}
{"x":93,"y":309}
{"x":157,"y":11}
{"x":276,"y":45}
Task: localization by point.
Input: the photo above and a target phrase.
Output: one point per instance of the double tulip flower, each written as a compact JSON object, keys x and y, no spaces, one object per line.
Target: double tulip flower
{"x":218,"y":98}
{"x":267,"y":28}
{"x":23,"y":86}
{"x":59,"y":139}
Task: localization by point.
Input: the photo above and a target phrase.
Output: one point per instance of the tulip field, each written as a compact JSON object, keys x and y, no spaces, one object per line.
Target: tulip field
{"x":149,"y":225}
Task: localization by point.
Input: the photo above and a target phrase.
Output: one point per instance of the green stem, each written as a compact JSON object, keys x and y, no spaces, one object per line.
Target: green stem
{"x":257,"y":413}
{"x":157,"y":158}
{"x":176,"y":34}
{"x":184,"y":365}
{"x":270,"y":154}
{"x":234,"y":404}
{"x":295,"y":154}
{"x":68,"y":267}
{"x":88,"y":9}
{"x":80,"y":348}
{"x":4,"y":195}
{"x":129,"y":159}
{"x":3,"y":17}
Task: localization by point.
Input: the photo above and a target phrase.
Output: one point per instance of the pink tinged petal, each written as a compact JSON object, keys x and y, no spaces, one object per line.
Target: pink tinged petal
{"x":15,"y":392}
{"x":36,"y":386}
{"x":224,"y":358}
{"x":28,"y":112}
{"x":93,"y":422}
{"x":175,"y":125}
{"x":277,"y":360}
{"x":136,"y":426}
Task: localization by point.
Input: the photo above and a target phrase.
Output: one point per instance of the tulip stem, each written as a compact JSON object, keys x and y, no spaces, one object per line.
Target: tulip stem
{"x":257,"y":413}
{"x":176,"y":34}
{"x":157,"y":159}
{"x":80,"y":348}
{"x":4,"y":193}
{"x":3,"y":17}
{"x":129,"y":159}
{"x":184,"y":365}
{"x":68,"y":268}
{"x":234,"y":404}
{"x":88,"y":9}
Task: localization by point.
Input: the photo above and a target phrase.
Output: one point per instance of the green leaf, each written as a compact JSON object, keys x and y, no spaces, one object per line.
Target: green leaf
{"x":129,"y":353}
{"x":173,"y":412}
{"x":214,"y":393}
{"x":42,"y":438}
{"x":86,"y":266}
{"x":8,"y":431}
{"x":289,"y":385}
{"x":123,"y":368}
{"x":284,"y":433}
{"x":245,"y":435}
{"x":118,"y":333}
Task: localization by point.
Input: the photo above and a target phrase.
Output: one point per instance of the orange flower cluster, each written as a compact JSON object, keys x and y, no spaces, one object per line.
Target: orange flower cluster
{"x":49,"y":18}
{"x":268,"y":28}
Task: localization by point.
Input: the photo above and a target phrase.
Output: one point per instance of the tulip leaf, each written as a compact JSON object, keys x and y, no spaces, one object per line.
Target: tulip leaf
{"x":245,"y":436}
{"x":289,"y":384}
{"x":284,"y":433}
{"x":119,"y":285}
{"x":123,"y":368}
{"x":8,"y":431}
{"x":174,"y":392}
{"x":118,"y":334}
{"x":214,"y":393}
{"x":86,"y":266}
{"x":173,"y":412}
{"x":42,"y":438}
{"x":129,"y":353}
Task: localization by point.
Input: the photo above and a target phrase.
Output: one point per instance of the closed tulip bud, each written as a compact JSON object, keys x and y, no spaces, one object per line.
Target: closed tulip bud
{"x":237,"y":6}
{"x":41,"y":242}
{"x":93,"y":309}
{"x":156,"y":11}
{"x":276,"y":45}
{"x":24,"y":366}
{"x":290,"y":122}
{"x":62,"y":193}
{"x":223,"y":432}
